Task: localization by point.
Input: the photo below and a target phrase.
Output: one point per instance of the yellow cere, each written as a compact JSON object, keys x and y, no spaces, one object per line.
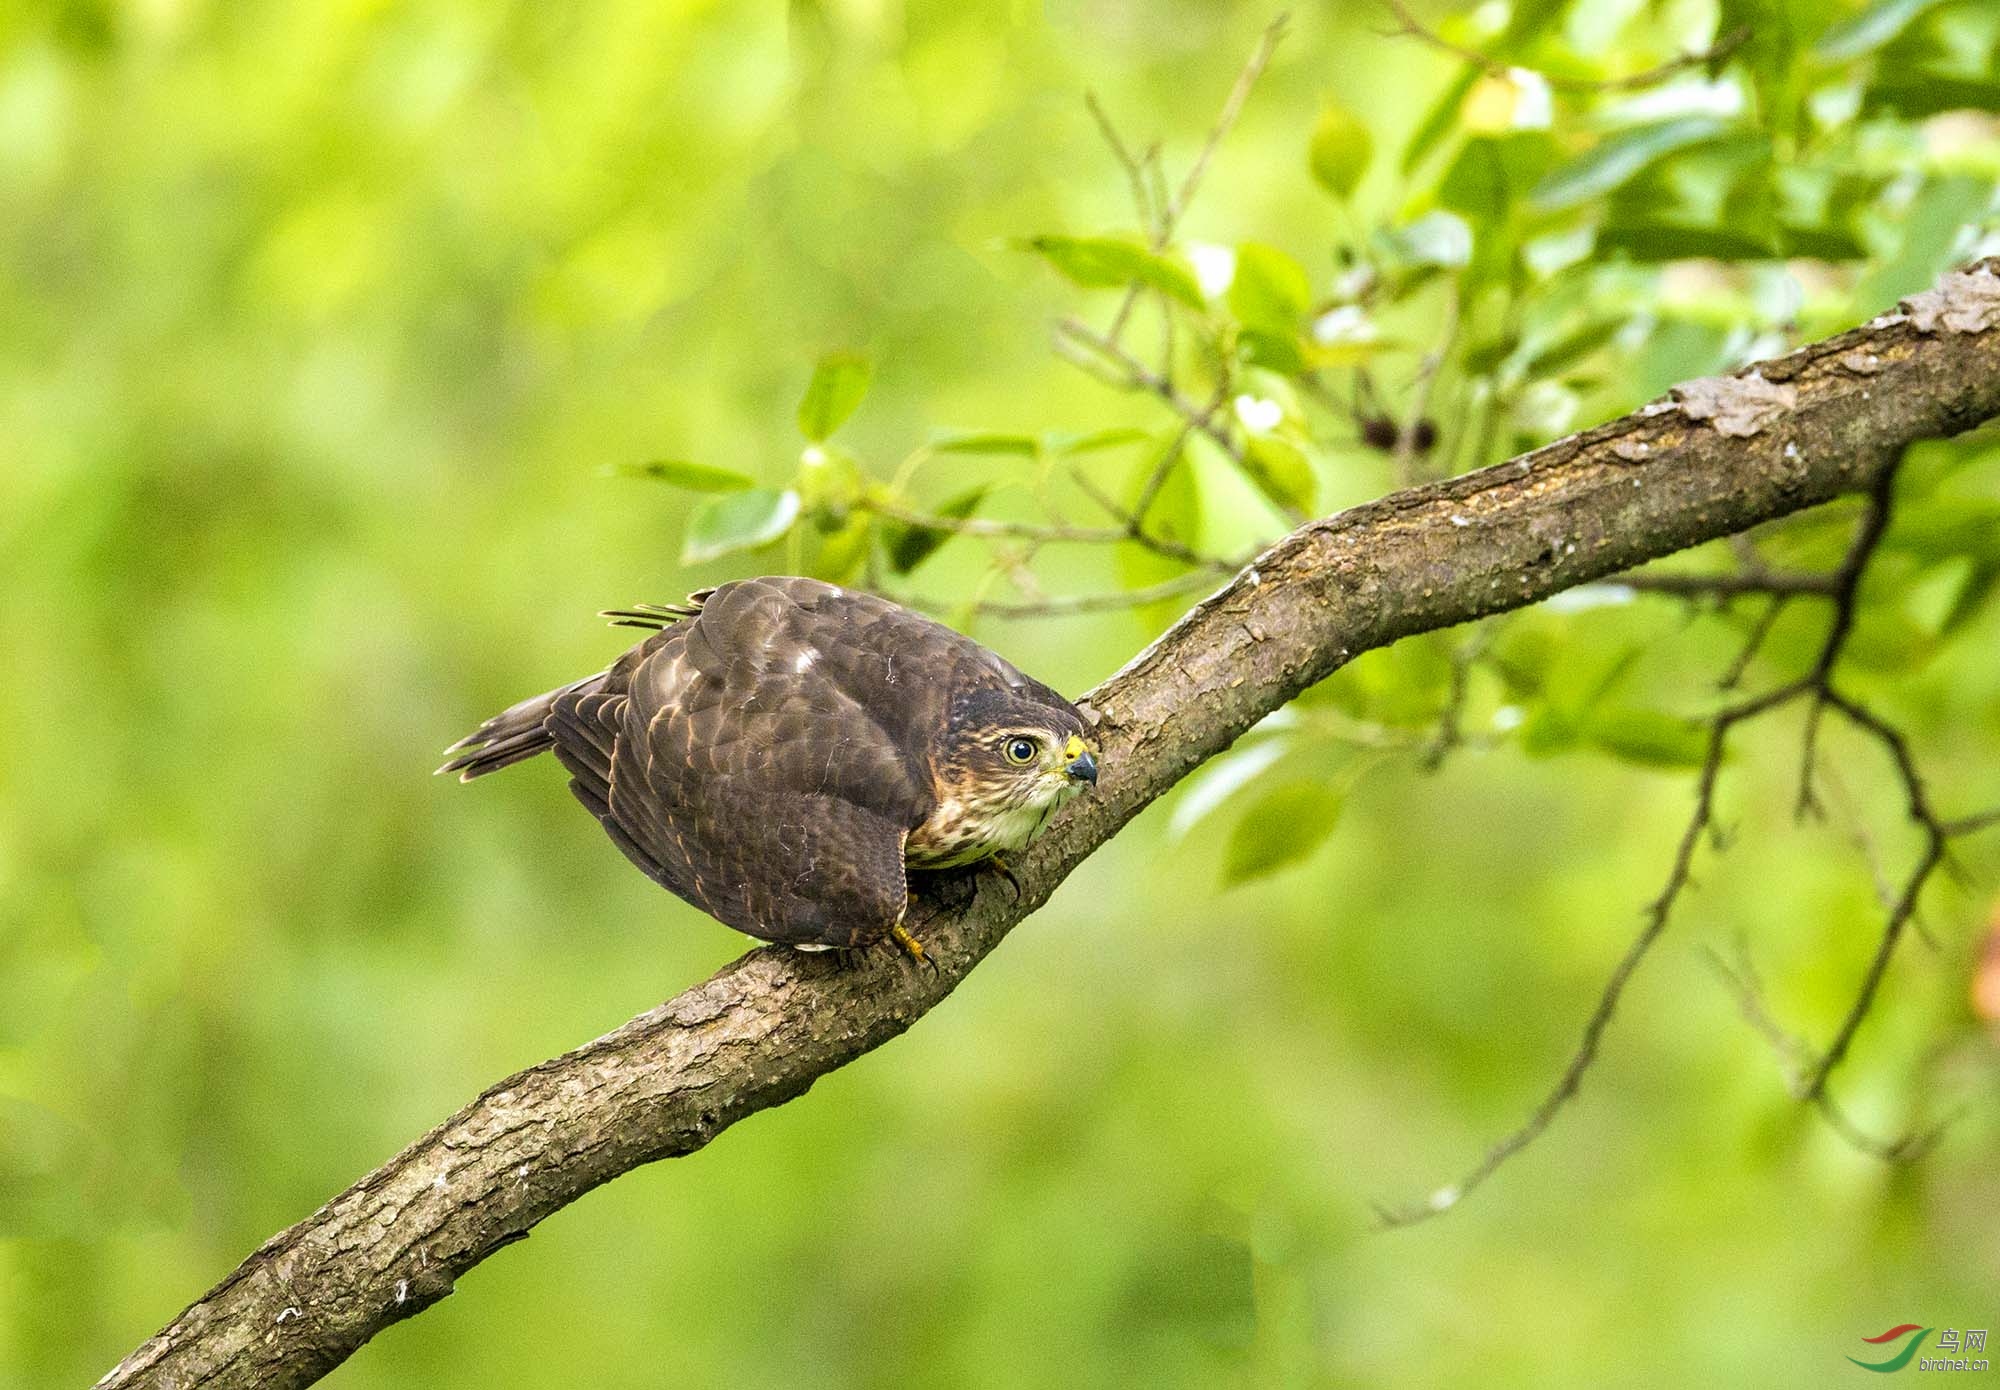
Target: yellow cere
{"x":1074,"y":748}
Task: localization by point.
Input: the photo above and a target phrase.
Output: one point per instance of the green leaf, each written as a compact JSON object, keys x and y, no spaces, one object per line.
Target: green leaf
{"x":829,"y":483}
{"x":1475,"y":184}
{"x":1667,"y":241}
{"x":1283,"y":826}
{"x":839,"y":382}
{"x":985,"y":442}
{"x":695,"y":477}
{"x":1648,"y":737}
{"x":1280,"y":471}
{"x":1340,"y":150}
{"x":1440,"y":239}
{"x":1947,"y":527}
{"x":1979,"y":584}
{"x":1406,"y":685}
{"x":1270,"y":292}
{"x":1222,"y":779}
{"x":1919,"y":92}
{"x":1529,"y":18}
{"x":1441,"y":118}
{"x":843,"y":551}
{"x":1566,"y":351}
{"x":1277,"y":352}
{"x":1614,"y":161}
{"x":1548,"y":731}
{"x":1117,"y":437}
{"x":909,"y":546}
{"x":1871,"y":29}
{"x":1492,"y":172}
{"x":1931,"y":229}
{"x":738,"y":521}
{"x":1102,"y":262}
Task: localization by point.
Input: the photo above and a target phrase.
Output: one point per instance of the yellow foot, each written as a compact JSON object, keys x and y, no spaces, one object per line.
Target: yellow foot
{"x":910,"y":946}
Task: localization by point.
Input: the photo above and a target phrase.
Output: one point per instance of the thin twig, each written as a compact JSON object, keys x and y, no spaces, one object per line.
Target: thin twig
{"x":1149,"y":491}
{"x":992,"y":526}
{"x":1972,"y":825}
{"x":1135,"y":173}
{"x":1082,"y":344}
{"x":1886,"y":892}
{"x":1798,"y":1059}
{"x":1068,"y":605}
{"x":1847,"y":588}
{"x":1724,"y":587}
{"x":1760,"y":632}
{"x":1740,"y":975}
{"x":1044,"y":533}
{"x":1450,"y":732}
{"x":1420,"y":394}
{"x":1231,"y":109}
{"x":1166,"y":211}
{"x":1657,"y":916}
{"x":1928,"y":860}
{"x":1409,"y":25}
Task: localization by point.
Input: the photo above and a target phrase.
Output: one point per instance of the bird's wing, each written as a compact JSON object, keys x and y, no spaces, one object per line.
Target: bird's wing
{"x":747,"y":760}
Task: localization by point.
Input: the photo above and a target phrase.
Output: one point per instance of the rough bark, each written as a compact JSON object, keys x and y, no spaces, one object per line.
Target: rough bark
{"x":1724,"y":455}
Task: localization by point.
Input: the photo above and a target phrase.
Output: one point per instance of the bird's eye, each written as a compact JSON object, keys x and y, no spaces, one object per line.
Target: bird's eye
{"x":1020,"y":751}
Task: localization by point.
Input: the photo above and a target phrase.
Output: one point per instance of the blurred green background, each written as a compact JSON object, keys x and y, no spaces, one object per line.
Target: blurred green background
{"x":325,"y":325}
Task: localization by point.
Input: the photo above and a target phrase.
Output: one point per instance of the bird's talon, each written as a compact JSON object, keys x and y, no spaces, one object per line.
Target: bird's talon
{"x":1006,"y":872}
{"x":910,"y":946}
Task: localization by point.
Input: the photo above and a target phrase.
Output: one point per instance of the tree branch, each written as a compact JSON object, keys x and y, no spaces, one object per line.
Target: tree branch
{"x":764,"y":1029}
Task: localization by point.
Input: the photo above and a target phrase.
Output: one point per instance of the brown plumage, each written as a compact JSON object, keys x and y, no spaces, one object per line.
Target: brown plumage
{"x":778,"y":750}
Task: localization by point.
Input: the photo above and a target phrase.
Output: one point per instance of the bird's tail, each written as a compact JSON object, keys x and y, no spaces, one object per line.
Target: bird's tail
{"x":518,"y":732}
{"x":523,"y":731}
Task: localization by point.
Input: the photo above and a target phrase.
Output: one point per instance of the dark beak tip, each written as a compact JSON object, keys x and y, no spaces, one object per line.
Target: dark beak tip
{"x":1084,"y":769}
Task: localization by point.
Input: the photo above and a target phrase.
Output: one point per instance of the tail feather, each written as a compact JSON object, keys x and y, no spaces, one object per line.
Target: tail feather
{"x":657,"y":617}
{"x":518,"y":732}
{"x":527,"y":728}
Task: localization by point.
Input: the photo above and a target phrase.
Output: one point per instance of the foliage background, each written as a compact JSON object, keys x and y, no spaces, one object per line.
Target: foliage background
{"x":325,"y":325}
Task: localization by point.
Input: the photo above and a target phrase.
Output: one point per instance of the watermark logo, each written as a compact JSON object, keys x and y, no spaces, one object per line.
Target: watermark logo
{"x":1910,"y":1338}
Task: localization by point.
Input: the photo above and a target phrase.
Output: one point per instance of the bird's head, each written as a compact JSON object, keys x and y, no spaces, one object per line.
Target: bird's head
{"x":1017,"y":748}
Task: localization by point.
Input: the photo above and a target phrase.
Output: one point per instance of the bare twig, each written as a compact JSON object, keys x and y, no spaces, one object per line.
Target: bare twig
{"x":1798,"y":1059}
{"x":1905,"y":906}
{"x":1420,"y":392}
{"x":991,"y":526}
{"x":1450,"y":731}
{"x":1409,"y":25}
{"x":1043,"y":533}
{"x":1080,"y":343}
{"x":1232,"y":108}
{"x":1886,"y":892}
{"x":1724,"y":587}
{"x":1740,"y":975}
{"x":1847,"y":588}
{"x":1657,"y":916}
{"x":1160,"y":212}
{"x":1069,"y":605}
{"x":1149,"y":491}
{"x":1972,"y":825}
{"x":1135,"y":172}
{"x":1760,"y":631}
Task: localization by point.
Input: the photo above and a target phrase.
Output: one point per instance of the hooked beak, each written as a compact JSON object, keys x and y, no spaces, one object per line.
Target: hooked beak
{"x":1083,"y":768}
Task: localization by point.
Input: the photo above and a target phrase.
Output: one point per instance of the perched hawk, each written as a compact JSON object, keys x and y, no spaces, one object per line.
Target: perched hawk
{"x":779,"y":750}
